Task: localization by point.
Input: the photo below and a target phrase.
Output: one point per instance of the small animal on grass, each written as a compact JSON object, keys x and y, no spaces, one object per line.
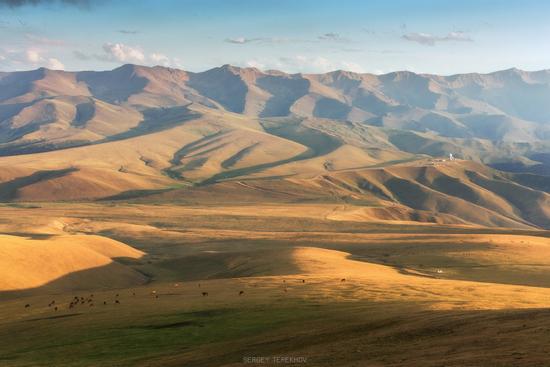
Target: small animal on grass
{"x":204,"y":294}
{"x":117,"y":301}
{"x":55,"y":308}
{"x":343,"y":280}
{"x":241,"y":293}
{"x":303,"y":280}
{"x":104,"y":302}
{"x":27,"y":305}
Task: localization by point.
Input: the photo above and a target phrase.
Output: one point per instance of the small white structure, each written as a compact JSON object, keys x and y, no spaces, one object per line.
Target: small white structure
{"x":451,"y":158}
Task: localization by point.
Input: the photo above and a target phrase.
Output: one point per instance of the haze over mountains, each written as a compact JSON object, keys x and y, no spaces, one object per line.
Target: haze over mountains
{"x":165,"y":133}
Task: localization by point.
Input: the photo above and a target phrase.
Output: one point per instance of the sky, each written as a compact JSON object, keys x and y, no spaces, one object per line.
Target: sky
{"x":307,"y":36}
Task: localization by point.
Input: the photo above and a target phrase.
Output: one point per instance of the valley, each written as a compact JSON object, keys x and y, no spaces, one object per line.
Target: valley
{"x":315,"y":279}
{"x":151,"y":216}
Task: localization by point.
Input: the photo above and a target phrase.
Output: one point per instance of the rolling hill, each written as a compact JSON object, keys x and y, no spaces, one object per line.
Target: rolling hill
{"x":241,"y":134}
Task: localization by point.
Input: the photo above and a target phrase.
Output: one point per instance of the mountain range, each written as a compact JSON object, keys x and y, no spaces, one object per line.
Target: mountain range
{"x":159,"y":133}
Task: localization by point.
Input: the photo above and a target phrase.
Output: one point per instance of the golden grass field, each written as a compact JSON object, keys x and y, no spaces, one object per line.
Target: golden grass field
{"x":321,"y":284}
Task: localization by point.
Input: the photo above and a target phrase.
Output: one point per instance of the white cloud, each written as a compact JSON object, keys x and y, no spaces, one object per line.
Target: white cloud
{"x":242,"y":40}
{"x":330,"y":37}
{"x":303,"y":64}
{"x":17,"y":59}
{"x":120,"y":52}
{"x":431,"y":40}
{"x":160,"y":59}
{"x":352,"y":66}
{"x":255,"y":64}
{"x":55,"y":64}
{"x":266,"y":40}
{"x":32,"y":56}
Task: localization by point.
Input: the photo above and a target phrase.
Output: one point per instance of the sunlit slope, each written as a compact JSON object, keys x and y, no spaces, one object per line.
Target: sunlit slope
{"x":30,"y":263}
{"x":209,"y":146}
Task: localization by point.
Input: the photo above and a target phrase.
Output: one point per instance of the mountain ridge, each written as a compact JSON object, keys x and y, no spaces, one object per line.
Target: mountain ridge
{"x":156,"y":133}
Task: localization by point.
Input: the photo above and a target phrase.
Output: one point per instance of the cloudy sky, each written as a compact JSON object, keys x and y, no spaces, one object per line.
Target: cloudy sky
{"x":429,"y":36}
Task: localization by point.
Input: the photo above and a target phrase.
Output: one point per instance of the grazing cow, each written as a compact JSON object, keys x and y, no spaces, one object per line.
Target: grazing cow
{"x":343,"y":280}
{"x":117,"y":301}
{"x":241,"y":293}
{"x":204,"y":294}
{"x":27,"y":305}
{"x":104,"y":302}
{"x":303,"y":280}
{"x":116,"y":295}
{"x":133,"y":293}
{"x":91,"y":305}
{"x":157,"y":296}
{"x":55,"y":309}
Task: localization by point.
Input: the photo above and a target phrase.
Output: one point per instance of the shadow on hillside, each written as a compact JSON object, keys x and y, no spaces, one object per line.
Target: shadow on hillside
{"x":8,"y":189}
{"x":112,"y":276}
